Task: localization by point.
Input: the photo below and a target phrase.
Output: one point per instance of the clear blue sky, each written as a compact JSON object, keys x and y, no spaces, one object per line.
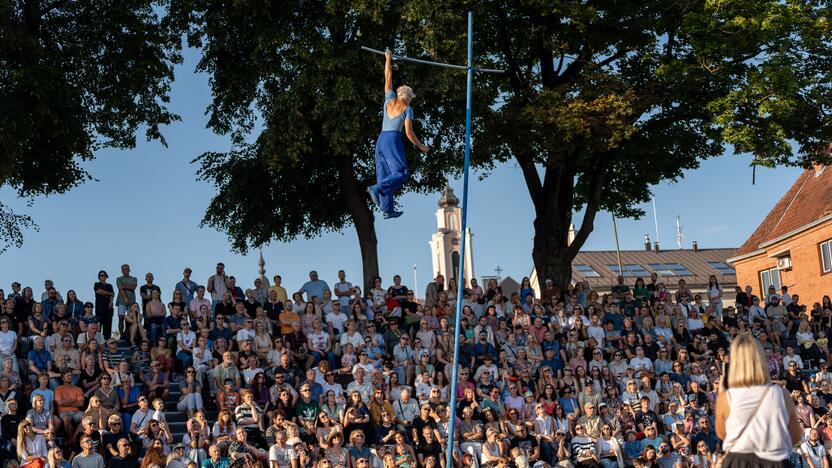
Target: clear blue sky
{"x":146,"y":206}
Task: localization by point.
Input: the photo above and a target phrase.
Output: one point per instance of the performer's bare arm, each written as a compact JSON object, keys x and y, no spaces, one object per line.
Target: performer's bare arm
{"x":388,"y":72}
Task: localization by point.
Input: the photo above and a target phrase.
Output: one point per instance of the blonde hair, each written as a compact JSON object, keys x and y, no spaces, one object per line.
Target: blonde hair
{"x":405,"y":92}
{"x":748,"y":366}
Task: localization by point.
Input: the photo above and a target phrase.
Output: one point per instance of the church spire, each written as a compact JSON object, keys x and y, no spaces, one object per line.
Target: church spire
{"x":448,"y":198}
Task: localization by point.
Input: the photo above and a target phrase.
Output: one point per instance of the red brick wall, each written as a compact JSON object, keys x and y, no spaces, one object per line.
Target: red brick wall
{"x":806,"y":277}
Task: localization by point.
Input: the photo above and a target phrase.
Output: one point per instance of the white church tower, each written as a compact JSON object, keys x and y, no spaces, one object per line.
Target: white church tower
{"x":445,"y":243}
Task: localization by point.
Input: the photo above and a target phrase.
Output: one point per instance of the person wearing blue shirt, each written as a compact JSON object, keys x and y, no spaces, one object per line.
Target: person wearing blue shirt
{"x":215,"y":459}
{"x":314,"y":287}
{"x":171,"y":325}
{"x":315,"y":389}
{"x":186,"y":287}
{"x":568,"y":402}
{"x":391,"y":165}
{"x":40,"y":360}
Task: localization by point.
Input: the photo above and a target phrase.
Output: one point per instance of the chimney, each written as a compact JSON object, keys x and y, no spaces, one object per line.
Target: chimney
{"x":694,"y":246}
{"x":646,"y":243}
{"x":656,"y":247}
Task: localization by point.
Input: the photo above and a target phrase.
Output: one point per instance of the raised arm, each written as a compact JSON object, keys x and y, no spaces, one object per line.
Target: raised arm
{"x":388,"y":72}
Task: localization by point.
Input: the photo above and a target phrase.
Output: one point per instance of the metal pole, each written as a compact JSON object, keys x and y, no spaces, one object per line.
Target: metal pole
{"x":617,"y":247}
{"x":428,"y":62}
{"x":415,"y":283}
{"x":449,"y":456}
{"x":656,"y":219}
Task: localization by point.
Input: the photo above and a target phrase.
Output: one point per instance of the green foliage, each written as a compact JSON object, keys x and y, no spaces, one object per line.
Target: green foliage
{"x":76,"y":76}
{"x":604,"y":99}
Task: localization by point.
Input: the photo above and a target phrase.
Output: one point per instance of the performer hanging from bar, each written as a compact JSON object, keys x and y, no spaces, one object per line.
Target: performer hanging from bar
{"x":391,"y":166}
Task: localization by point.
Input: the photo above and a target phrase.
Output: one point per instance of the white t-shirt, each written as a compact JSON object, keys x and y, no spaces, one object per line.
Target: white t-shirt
{"x":244,"y":335}
{"x":7,"y":341}
{"x":337,"y":321}
{"x":282,"y":456}
{"x":356,"y":340}
{"x":319,"y":340}
{"x":814,"y":453}
{"x":188,"y":339}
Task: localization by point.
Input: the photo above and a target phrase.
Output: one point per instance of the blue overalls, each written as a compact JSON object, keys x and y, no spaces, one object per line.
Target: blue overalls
{"x":391,"y":166}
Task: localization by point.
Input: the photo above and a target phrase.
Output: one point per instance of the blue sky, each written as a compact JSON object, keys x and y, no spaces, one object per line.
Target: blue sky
{"x":146,"y":206}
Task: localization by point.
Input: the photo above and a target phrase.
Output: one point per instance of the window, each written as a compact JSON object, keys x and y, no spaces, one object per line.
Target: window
{"x":769,"y":278}
{"x":826,"y":256}
{"x":630,"y":270}
{"x":722,"y":268}
{"x":670,"y":269}
{"x":587,"y":271}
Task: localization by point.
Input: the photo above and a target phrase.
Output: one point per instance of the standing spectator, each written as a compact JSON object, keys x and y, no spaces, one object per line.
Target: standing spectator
{"x":126,"y":285}
{"x":343,"y":290}
{"x":104,"y":297}
{"x":186,"y":287}
{"x":282,"y":295}
{"x":755,"y":420}
{"x":147,"y":289}
{"x":432,"y":291}
{"x":314,"y":287}
{"x":261,"y":292}
{"x":218,"y":284}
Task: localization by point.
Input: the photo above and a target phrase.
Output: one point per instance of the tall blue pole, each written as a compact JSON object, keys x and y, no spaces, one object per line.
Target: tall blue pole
{"x":461,"y":267}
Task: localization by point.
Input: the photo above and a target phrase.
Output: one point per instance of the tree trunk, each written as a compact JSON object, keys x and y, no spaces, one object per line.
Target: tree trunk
{"x":553,"y":202}
{"x":362,"y":218}
{"x":550,"y":252}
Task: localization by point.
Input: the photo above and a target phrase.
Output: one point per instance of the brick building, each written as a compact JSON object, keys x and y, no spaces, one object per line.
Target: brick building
{"x":793,"y":244}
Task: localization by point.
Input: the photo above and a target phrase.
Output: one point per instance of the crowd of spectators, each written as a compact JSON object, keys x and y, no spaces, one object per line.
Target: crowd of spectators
{"x":330,"y":377}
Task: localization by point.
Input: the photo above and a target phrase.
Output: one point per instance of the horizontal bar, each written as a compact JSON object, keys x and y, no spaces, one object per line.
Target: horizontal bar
{"x":437,"y":64}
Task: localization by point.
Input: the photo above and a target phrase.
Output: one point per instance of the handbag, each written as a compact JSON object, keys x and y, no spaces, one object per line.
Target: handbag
{"x":721,"y":458}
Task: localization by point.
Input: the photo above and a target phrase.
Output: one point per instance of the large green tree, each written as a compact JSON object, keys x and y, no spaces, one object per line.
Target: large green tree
{"x":303,"y":101}
{"x":605,"y":98}
{"x":76,"y":76}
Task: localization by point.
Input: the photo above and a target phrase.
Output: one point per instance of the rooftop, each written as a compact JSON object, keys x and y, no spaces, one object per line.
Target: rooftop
{"x":809,"y":200}
{"x":601,"y":267}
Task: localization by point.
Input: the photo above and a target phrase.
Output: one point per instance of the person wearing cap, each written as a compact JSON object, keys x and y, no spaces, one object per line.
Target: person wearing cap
{"x":590,"y":420}
{"x":177,"y":457}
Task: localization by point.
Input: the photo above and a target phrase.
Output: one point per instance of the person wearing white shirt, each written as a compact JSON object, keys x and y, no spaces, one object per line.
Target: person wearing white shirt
{"x":813,"y":451}
{"x":791,"y":357}
{"x":336,"y":319}
{"x":360,"y":385}
{"x":640,"y":363}
{"x":596,"y":330}
{"x":343,"y":290}
{"x":351,"y":336}
{"x":405,"y":408}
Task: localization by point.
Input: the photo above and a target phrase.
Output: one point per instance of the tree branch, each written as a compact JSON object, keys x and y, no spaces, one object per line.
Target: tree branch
{"x":612,"y":58}
{"x":592,"y":206}
{"x":526,"y":162}
{"x":514,"y":74}
{"x":574,"y":68}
